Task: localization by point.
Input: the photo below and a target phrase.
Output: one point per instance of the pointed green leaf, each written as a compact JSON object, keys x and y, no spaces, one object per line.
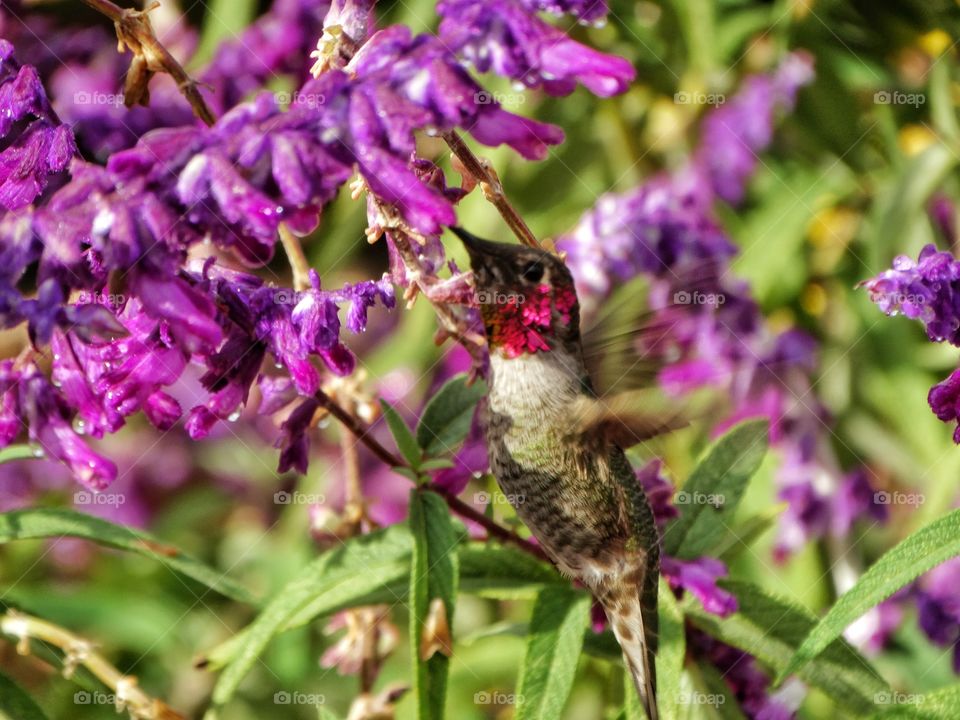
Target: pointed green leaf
{"x":494,"y":571}
{"x":897,"y":568}
{"x":709,"y":498}
{"x":447,"y":417}
{"x":560,"y":617}
{"x":339,"y":576}
{"x":770,"y":628}
{"x":38,"y":523}
{"x":16,"y":704}
{"x":937,"y":705}
{"x":406,"y":443}
{"x":670,"y":654}
{"x":433,"y":574}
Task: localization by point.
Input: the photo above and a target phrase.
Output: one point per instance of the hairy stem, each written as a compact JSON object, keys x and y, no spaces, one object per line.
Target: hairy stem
{"x":456,"y":504}
{"x":80,"y":652}
{"x":491,"y":187}
{"x":135,"y":32}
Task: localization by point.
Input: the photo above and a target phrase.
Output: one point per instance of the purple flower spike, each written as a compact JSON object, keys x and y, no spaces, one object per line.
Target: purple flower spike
{"x":36,"y":148}
{"x":509,"y":38}
{"x":699,"y":577}
{"x":735,"y":132}
{"x":944,"y":400}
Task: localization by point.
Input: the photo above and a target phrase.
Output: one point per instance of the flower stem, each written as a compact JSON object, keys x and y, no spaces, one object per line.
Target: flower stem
{"x":456,"y":504}
{"x":491,"y":187}
{"x":135,"y":32}
{"x":77,"y":652}
{"x":298,"y":259}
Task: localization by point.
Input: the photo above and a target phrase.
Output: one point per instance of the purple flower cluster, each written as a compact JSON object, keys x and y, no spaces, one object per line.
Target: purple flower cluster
{"x":734,"y":133}
{"x":938,"y":605}
{"x":927,"y":290}
{"x":749,"y":684}
{"x":509,"y":38}
{"x":37,"y":148}
{"x":134,"y":254}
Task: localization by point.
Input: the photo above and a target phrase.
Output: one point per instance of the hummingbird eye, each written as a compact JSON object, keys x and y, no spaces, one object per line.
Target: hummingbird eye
{"x":532,"y":272}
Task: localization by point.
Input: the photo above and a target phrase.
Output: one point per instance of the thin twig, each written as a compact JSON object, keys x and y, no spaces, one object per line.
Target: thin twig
{"x":456,"y":504}
{"x":134,"y":31}
{"x":491,"y":187}
{"x":77,"y":652}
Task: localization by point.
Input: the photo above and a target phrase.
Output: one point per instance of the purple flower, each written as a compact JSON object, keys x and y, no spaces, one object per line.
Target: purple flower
{"x":927,"y":290}
{"x":30,"y":399}
{"x":736,"y":131}
{"x":749,"y":684}
{"x":274,"y":45}
{"x":659,"y":492}
{"x":36,"y":148}
{"x":509,"y":38}
{"x":699,"y":577}
{"x":938,"y":605}
{"x":944,"y":400}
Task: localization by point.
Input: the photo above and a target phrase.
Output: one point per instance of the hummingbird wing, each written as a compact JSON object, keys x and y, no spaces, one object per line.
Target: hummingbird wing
{"x":631,"y":417}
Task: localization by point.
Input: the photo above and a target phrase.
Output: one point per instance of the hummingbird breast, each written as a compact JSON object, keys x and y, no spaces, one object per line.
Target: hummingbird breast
{"x":563,"y":489}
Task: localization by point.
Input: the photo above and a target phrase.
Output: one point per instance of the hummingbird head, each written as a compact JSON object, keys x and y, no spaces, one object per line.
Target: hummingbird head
{"x":526,"y":296}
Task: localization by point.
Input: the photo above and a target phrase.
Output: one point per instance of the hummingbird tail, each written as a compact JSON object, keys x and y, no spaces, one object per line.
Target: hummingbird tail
{"x":631,"y":608}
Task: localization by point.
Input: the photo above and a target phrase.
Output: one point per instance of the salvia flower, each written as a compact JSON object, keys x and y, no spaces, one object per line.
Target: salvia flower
{"x":36,"y":148}
{"x":735,"y":132}
{"x":939,"y":606}
{"x":509,"y":38}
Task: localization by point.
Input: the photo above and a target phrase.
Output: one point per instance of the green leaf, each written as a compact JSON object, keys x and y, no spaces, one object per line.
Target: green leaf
{"x":504,"y":572}
{"x":937,"y":705}
{"x":16,"y":704}
{"x":401,"y":434}
{"x":17,"y":452}
{"x":39,"y":523}
{"x":560,"y":617}
{"x":898,"y":567}
{"x":670,"y":655}
{"x":771,"y":628}
{"x":433,"y":574}
{"x":340,"y":576}
{"x":493,"y":571}
{"x":709,"y":498}
{"x":447,"y":417}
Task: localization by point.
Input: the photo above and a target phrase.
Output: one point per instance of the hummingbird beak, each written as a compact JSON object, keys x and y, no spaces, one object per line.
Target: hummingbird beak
{"x":480,"y":250}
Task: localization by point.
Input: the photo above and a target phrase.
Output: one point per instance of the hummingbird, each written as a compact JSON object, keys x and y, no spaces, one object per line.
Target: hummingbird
{"x":556,"y":448}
